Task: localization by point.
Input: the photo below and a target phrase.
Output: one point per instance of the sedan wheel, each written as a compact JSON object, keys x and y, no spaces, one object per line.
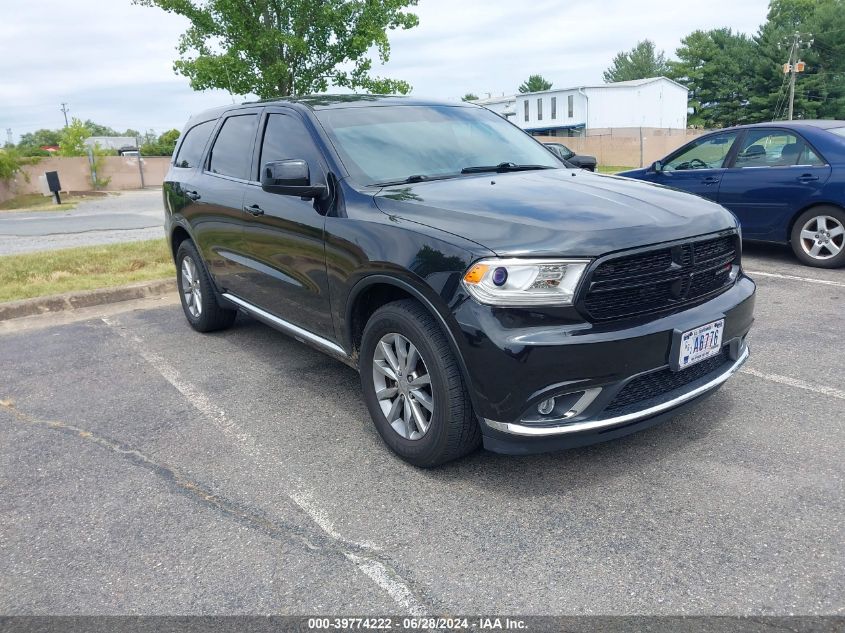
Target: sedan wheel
{"x":823,"y":237}
{"x":403,"y":386}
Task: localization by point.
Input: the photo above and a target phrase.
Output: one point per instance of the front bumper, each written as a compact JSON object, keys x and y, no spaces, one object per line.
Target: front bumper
{"x":516,"y":361}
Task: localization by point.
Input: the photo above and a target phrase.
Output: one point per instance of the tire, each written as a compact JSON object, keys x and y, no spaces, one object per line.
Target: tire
{"x":827,"y":222}
{"x":452,"y":430}
{"x":199,"y":302}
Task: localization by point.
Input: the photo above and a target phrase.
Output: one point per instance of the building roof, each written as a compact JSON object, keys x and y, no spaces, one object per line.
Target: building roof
{"x":615,"y":84}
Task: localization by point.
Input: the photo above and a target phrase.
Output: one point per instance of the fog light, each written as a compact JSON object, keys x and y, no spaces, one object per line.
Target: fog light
{"x":546,"y":406}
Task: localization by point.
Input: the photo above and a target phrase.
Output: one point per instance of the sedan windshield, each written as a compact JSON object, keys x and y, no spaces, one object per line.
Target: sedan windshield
{"x":387,"y":144}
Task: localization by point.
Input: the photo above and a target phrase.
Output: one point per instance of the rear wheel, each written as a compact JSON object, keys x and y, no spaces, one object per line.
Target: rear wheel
{"x":818,"y":237}
{"x":413,"y":387}
{"x":197,"y":294}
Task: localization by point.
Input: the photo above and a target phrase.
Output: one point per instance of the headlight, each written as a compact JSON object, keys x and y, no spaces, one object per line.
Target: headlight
{"x":525,"y":282}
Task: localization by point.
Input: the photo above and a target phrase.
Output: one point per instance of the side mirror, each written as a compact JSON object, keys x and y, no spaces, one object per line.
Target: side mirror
{"x":656,"y":167}
{"x":290,"y":178}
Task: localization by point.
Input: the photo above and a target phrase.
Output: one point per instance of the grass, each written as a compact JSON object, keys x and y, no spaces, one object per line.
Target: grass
{"x":38,"y":202}
{"x":612,"y":169}
{"x":85,"y":268}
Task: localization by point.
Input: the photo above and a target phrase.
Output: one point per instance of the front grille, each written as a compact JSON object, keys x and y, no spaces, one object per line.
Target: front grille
{"x":659,"y":279}
{"x":663,"y":381}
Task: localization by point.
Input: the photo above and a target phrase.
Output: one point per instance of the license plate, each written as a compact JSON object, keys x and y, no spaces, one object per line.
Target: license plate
{"x":701,"y":343}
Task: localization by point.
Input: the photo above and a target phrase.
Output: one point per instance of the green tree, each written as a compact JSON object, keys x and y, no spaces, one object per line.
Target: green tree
{"x":286,"y":47}
{"x":30,"y":143}
{"x":72,"y":139}
{"x":12,"y":163}
{"x":469,"y":97}
{"x":717,"y":67}
{"x":820,"y":90}
{"x":535,"y":83}
{"x":640,"y":62}
{"x":161,"y":146}
{"x":96,"y":129}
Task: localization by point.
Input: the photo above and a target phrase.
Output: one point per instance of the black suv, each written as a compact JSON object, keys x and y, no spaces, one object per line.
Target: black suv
{"x":484,"y":291}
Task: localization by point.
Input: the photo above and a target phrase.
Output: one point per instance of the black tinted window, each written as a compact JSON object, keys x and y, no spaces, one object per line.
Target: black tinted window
{"x":232,"y":151}
{"x":287,"y":137}
{"x":190,"y":152}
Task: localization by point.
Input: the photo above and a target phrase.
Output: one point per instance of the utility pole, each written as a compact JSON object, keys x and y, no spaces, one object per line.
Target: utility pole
{"x":65,"y":110}
{"x":795,"y":66}
{"x":9,"y":135}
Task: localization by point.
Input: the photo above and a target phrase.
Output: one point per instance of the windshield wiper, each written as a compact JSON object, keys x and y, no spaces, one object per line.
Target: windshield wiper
{"x":502,"y":167}
{"x":410,"y":179}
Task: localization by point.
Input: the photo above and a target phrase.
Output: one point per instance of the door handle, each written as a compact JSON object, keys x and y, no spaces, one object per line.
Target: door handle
{"x":193,"y":195}
{"x":710,"y":180}
{"x":255,"y":210}
{"x":807,"y":178}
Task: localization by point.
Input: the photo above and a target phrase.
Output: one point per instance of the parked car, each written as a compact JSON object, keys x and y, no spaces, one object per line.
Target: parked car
{"x":578,"y":160}
{"x":484,"y":292}
{"x":785,"y":181}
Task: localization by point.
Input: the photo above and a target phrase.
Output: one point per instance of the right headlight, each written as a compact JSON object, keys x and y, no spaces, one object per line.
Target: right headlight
{"x":525,"y":282}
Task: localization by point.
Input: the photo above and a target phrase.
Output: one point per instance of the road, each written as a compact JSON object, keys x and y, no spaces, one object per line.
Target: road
{"x":123,"y":217}
{"x":145,"y":468}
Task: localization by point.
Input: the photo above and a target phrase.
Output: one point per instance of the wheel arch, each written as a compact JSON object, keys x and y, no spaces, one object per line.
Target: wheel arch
{"x":178,"y":234}
{"x":372,"y":292}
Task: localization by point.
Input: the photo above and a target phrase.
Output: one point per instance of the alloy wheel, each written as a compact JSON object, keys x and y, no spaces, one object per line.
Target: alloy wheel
{"x":191,"y":287}
{"x":823,"y":237}
{"x":403,"y":386}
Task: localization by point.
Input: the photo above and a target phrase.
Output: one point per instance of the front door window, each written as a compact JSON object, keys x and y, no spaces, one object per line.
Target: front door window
{"x":704,"y":153}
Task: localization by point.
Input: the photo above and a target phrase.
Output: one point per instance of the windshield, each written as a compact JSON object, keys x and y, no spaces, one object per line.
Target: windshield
{"x":383,"y":144}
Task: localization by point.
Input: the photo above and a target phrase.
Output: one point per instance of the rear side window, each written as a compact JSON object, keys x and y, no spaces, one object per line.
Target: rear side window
{"x":232,"y":151}
{"x":809,"y":157}
{"x":775,"y":148}
{"x":190,"y":152}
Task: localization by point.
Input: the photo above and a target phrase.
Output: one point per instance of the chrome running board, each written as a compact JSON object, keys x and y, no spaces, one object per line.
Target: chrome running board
{"x":300,"y":334}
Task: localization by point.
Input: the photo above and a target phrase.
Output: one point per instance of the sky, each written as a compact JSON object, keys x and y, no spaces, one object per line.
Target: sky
{"x":111,"y":61}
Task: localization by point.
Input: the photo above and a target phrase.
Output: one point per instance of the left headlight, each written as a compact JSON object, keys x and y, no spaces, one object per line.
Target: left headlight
{"x":524,"y":282}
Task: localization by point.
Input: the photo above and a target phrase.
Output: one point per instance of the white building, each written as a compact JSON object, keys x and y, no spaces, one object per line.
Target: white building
{"x":656,"y":102}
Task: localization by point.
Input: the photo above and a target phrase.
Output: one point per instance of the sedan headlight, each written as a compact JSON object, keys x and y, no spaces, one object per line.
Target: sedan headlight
{"x":524,"y":282}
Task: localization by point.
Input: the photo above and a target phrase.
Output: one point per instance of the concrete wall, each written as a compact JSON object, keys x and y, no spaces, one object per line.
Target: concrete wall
{"x":75,"y":175}
{"x":621,"y":146}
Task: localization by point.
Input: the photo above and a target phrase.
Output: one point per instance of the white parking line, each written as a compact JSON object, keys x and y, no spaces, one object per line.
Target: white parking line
{"x":795,"y":382}
{"x":387,"y":579}
{"x":824,"y":282}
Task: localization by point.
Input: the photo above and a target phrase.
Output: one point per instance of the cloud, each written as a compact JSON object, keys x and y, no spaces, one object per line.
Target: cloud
{"x":113,"y":61}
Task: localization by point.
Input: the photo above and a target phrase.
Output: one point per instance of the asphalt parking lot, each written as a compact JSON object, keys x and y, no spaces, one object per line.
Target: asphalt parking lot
{"x":148,"y":469}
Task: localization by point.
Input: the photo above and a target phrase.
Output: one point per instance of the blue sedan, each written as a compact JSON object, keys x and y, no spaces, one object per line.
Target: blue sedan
{"x":785,"y":181}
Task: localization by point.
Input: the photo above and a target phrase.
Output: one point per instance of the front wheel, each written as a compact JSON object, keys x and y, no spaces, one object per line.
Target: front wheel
{"x":818,"y":237}
{"x":413,"y":387}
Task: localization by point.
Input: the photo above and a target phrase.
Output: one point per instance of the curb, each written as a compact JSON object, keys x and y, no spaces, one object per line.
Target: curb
{"x":85,"y":298}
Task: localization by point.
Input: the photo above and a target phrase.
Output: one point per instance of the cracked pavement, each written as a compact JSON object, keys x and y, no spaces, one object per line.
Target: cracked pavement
{"x":148,"y":469}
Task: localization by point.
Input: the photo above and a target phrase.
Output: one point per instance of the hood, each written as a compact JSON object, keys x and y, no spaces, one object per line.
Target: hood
{"x":555,"y":212}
